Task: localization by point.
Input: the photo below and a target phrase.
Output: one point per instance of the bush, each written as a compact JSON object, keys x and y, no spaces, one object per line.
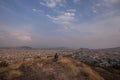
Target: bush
{"x":3,"y":64}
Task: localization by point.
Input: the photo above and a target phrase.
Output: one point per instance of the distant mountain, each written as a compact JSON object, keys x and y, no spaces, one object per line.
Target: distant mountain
{"x":112,"y":49}
{"x":21,"y":47}
{"x":108,"y":49}
{"x":84,"y":49}
{"x":115,"y":48}
{"x":25,"y":47}
{"x":56,"y":48}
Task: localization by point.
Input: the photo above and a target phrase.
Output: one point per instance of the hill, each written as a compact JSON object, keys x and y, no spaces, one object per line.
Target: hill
{"x":48,"y":69}
{"x":21,"y":47}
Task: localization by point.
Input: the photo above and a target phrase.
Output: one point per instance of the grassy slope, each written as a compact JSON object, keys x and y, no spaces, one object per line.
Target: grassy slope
{"x":108,"y":73}
{"x":48,"y":69}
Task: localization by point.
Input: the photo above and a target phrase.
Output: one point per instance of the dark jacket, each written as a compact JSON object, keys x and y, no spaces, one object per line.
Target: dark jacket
{"x":56,"y":56}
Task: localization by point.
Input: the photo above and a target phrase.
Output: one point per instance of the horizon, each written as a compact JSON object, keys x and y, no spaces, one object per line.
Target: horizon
{"x":75,"y":24}
{"x":55,"y":47}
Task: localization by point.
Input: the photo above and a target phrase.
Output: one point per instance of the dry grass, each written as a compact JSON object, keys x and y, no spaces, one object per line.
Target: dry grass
{"x":48,"y":69}
{"x":14,"y":74}
{"x":92,"y":74}
{"x":106,"y":74}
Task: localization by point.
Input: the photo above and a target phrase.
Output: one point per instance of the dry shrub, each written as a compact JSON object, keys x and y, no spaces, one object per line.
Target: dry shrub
{"x":3,"y":64}
{"x":46,"y":69}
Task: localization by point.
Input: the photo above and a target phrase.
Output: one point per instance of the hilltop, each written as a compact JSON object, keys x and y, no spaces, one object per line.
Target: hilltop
{"x":47,"y":69}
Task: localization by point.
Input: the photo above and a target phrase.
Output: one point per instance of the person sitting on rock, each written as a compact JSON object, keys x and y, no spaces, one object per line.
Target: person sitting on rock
{"x":56,"y":57}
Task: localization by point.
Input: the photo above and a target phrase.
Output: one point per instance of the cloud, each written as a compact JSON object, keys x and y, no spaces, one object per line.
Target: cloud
{"x":97,"y":34}
{"x":24,"y":37}
{"x":64,"y":19}
{"x":37,"y":10}
{"x":105,"y":8}
{"x":71,"y":10}
{"x":14,"y":35}
{"x":94,"y":11}
{"x":34,"y":10}
{"x":52,"y":3}
{"x":76,"y":1}
{"x":9,"y":39}
{"x":112,"y":1}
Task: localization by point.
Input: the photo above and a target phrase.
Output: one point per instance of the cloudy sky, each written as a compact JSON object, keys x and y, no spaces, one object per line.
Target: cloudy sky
{"x":60,"y":23}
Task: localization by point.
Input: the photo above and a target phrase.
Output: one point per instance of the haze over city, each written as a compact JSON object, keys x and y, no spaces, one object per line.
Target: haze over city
{"x":60,"y":23}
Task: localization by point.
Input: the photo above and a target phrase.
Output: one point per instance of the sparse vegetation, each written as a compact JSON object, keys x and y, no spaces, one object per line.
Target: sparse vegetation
{"x":22,"y":62}
{"x":3,"y":64}
{"x":47,"y":69}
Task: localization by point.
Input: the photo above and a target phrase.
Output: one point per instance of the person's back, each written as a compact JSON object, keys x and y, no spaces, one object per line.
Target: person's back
{"x":56,"y":57}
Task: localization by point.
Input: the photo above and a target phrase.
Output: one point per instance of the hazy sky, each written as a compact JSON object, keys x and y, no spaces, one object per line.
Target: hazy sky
{"x":60,"y":23}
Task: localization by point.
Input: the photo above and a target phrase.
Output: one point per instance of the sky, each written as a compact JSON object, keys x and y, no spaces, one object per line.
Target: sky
{"x":60,"y":23}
